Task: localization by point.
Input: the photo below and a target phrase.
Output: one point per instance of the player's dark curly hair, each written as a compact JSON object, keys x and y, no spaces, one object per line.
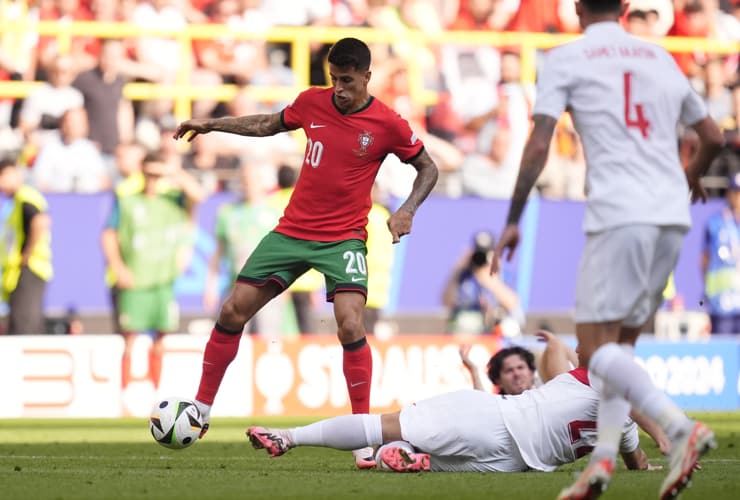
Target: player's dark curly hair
{"x":602,"y":6}
{"x":350,"y":53}
{"x":495,"y":364}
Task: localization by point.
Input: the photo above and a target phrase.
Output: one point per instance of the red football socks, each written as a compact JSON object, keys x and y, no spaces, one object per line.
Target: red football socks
{"x":125,"y":370}
{"x":155,"y":366}
{"x":220,"y":351}
{"x":358,"y":373}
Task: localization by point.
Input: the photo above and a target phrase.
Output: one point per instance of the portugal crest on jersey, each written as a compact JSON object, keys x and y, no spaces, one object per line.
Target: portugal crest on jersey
{"x":365,"y":139}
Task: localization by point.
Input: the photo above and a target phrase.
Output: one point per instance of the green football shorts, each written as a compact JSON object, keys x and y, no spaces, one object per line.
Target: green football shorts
{"x":149,"y":309}
{"x":283,"y":259}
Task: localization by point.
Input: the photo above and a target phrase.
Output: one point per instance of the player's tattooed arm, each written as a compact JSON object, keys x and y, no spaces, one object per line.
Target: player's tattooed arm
{"x":426,"y":178}
{"x":533,"y":161}
{"x":261,"y":125}
{"x":399,"y":224}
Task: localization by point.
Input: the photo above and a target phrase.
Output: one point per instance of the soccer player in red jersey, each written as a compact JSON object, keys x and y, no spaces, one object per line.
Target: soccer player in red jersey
{"x":349,"y":134}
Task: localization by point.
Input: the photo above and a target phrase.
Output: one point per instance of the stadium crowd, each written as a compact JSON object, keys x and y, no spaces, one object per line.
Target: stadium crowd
{"x":72,"y":133}
{"x":475,"y":131}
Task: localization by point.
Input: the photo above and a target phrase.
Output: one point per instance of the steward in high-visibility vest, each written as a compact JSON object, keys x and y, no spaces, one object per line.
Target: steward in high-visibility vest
{"x":25,"y":252}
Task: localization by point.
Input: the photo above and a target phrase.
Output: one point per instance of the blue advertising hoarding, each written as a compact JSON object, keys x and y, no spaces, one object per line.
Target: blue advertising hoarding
{"x":543,"y":269}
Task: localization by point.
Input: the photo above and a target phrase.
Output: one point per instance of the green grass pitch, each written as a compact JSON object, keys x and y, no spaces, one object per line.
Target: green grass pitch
{"x":118,"y":459}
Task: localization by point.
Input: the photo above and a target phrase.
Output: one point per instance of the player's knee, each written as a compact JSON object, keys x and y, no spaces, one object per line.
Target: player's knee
{"x":350,"y":330}
{"x":233,"y":315}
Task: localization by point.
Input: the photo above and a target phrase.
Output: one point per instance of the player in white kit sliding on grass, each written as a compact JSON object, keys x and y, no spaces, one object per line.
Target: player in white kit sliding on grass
{"x":626,"y":97}
{"x":471,"y":430}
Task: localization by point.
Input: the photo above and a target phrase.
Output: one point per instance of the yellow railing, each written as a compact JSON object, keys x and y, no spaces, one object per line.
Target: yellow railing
{"x":183,"y":93}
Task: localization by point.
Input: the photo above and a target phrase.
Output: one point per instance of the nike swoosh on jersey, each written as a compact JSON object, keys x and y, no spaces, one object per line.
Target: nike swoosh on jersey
{"x":355,"y":384}
{"x":355,"y":278}
{"x":315,"y":125}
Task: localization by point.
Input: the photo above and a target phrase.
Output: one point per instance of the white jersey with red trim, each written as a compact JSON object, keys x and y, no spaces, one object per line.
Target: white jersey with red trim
{"x":626,"y":97}
{"x":555,"y":424}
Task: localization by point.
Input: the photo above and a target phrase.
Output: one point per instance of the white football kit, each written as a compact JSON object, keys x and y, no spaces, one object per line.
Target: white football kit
{"x":626,"y":97}
{"x":540,"y":429}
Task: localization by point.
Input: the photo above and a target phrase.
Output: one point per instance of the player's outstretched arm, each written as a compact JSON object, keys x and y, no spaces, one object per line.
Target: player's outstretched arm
{"x":653,"y":430}
{"x":250,"y":125}
{"x":470,"y":366}
{"x":557,"y":357}
{"x":530,"y":168}
{"x":638,"y":460}
{"x":427,"y":173}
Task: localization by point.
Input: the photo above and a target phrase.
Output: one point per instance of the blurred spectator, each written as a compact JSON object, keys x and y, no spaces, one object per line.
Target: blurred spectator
{"x":475,"y":299}
{"x":305,"y":292}
{"x":18,"y":48}
{"x":721,"y":263}
{"x":129,"y":156}
{"x":82,"y":49}
{"x":10,"y":142}
{"x":516,"y":101}
{"x":474,"y":15}
{"x":110,"y":116}
{"x":724,"y":26}
{"x":144,"y":242}
{"x":542,"y":16}
{"x":346,"y":13}
{"x":390,"y":83}
{"x":275,"y":73}
{"x":470,"y":75}
{"x":70,"y":162}
{"x":164,"y":53}
{"x":212,"y":169}
{"x":655,"y":15}
{"x":165,"y":144}
{"x":638,"y":22}
{"x":564,"y":176}
{"x":379,"y":261}
{"x":239,"y":228}
{"x":691,"y":20}
{"x":300,"y":13}
{"x":718,"y":95}
{"x":26,"y":256}
{"x":235,"y":61}
{"x":42,"y":110}
{"x":491,"y":175}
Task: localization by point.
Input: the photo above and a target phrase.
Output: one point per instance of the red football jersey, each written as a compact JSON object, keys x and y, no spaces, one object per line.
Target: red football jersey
{"x":331,"y":199}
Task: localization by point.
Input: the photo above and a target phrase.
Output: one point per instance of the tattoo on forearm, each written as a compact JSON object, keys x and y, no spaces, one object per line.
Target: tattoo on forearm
{"x":426,"y":179}
{"x":251,"y":125}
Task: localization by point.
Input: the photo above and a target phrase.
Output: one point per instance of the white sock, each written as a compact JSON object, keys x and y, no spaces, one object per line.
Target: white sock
{"x":348,"y":432}
{"x":617,"y":368}
{"x":204,"y":409}
{"x":613,"y":412}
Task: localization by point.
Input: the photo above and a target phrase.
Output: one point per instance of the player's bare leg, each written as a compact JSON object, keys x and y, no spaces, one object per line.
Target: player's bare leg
{"x":243,"y":302}
{"x":357,"y":361}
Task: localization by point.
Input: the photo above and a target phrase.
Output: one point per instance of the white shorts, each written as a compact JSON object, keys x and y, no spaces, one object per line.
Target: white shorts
{"x":463,"y":431}
{"x":623,"y":272}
